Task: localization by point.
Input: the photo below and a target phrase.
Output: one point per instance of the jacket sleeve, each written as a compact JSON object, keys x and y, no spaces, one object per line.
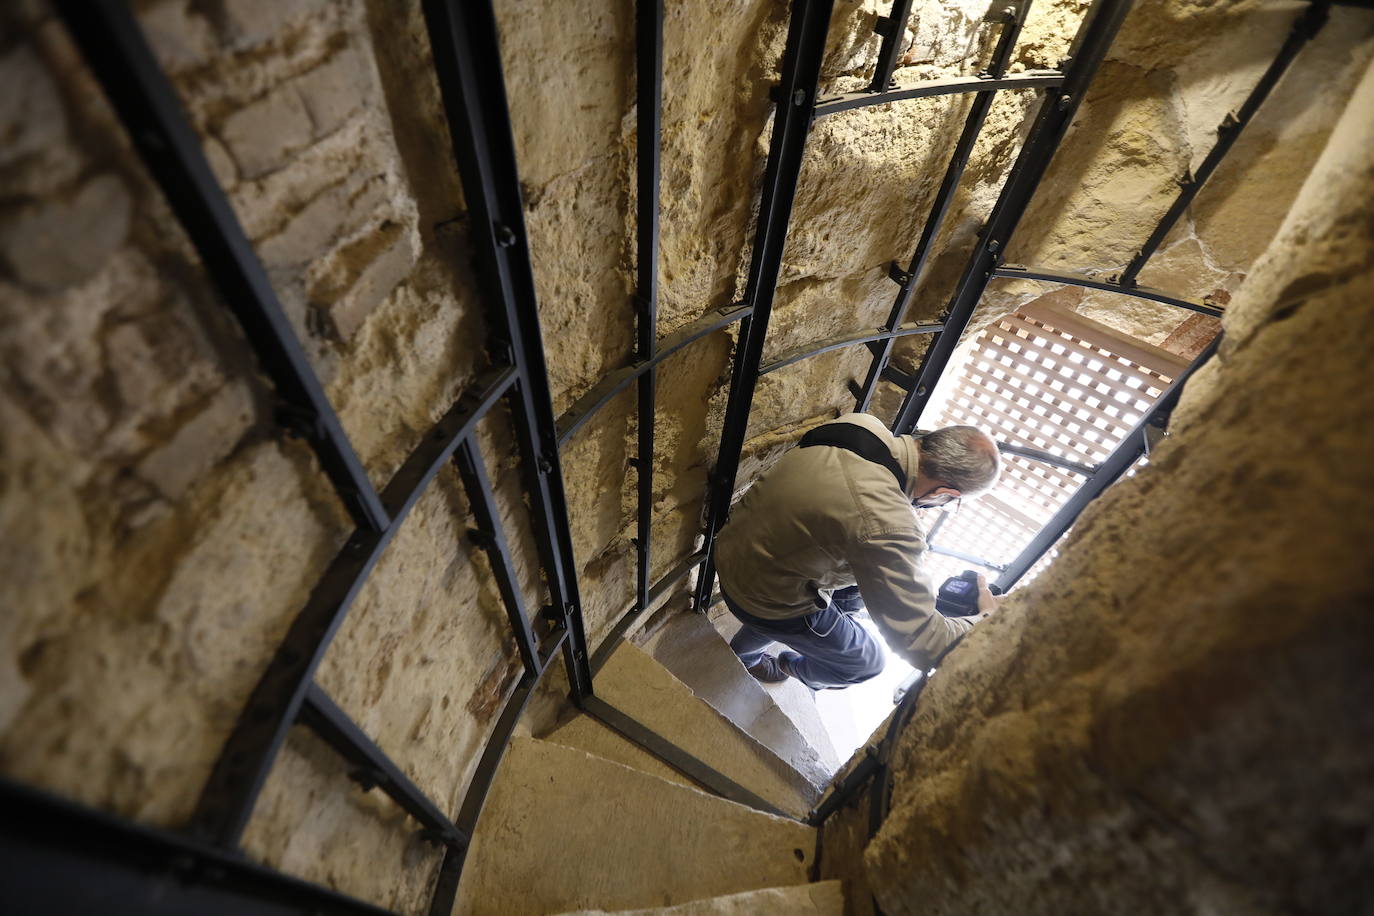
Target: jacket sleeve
{"x":901,"y":599}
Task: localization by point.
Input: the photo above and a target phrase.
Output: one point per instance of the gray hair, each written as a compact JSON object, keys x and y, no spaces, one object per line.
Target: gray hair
{"x":962,"y":457}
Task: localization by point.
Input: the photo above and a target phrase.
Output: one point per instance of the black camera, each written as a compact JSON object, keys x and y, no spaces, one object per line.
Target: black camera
{"x":958,"y":596}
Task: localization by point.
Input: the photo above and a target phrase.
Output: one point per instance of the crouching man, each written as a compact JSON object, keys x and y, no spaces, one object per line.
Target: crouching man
{"x":833,"y":513}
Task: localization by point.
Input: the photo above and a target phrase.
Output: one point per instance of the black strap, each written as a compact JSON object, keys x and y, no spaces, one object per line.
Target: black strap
{"x":858,"y":440}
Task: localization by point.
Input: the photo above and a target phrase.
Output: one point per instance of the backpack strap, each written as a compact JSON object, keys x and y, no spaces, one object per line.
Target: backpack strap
{"x":856,"y":439}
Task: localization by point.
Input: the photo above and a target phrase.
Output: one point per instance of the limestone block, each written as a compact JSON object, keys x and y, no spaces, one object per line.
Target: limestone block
{"x":261,"y":136}
{"x":336,"y":89}
{"x":334,"y":212}
{"x":204,"y":440}
{"x":576,"y":230}
{"x":720,"y":57}
{"x":180,"y":35}
{"x":1122,"y":178}
{"x":587,"y":734}
{"x":825,"y":897}
{"x":60,"y":243}
{"x":941,"y":35}
{"x":352,"y":155}
{"x":221,"y":163}
{"x":689,"y":646}
{"x":1048,"y":31}
{"x":792,"y":698}
{"x":406,"y":366}
{"x":620,"y":839}
{"x":598,"y":478}
{"x":571,"y":75}
{"x":425,"y":659}
{"x":851,"y":48}
{"x":31,"y":113}
{"x":314,"y":822}
{"x":362,"y":274}
{"x":43,"y":527}
{"x":134,"y":689}
{"x":60,"y":349}
{"x":145,"y":354}
{"x":245,"y":23}
{"x":638,"y":686}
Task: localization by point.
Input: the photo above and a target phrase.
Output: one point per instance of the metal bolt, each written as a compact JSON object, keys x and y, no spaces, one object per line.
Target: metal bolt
{"x":505,"y":235}
{"x":545,"y":465}
{"x":921,"y":391}
{"x":1064,"y":102}
{"x":799,"y":98}
{"x":994,"y":245}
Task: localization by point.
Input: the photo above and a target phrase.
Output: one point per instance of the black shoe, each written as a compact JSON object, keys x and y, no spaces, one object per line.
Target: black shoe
{"x":785,"y":662}
{"x":768,"y":671}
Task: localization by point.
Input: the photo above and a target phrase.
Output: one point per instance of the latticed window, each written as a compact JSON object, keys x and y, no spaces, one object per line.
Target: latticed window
{"x":1048,"y":379}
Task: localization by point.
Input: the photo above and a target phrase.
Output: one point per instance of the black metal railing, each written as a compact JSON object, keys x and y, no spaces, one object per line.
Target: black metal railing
{"x":465,"y":45}
{"x":908,"y":279}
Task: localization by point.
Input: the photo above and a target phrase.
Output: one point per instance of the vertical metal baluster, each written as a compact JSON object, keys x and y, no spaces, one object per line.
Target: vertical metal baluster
{"x":796,"y":98}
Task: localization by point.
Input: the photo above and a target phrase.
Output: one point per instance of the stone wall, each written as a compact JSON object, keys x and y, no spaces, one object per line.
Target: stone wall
{"x":1174,"y":72}
{"x":1175,"y":717}
{"x":158,"y":533}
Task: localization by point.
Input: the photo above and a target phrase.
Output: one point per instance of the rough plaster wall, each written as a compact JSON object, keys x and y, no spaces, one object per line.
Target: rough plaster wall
{"x":1157,"y":728}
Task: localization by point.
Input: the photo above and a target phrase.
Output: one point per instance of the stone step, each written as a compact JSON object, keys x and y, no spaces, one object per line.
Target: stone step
{"x":794,"y":698}
{"x":825,"y":898}
{"x":635,"y":683}
{"x":691,"y":648}
{"x":565,"y":830}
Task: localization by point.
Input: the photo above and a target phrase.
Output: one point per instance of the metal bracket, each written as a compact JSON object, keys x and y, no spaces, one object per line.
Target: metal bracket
{"x":1153,"y":436}
{"x":1005,"y":11}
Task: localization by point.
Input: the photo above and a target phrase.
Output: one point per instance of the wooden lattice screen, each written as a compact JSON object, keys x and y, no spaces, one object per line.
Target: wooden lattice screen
{"x":1052,"y":380}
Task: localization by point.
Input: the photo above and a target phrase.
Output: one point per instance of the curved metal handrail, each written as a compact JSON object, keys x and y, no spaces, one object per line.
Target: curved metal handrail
{"x":1034,"y":79}
{"x":798,"y":354}
{"x":1080,"y":278}
{"x":603,"y":391}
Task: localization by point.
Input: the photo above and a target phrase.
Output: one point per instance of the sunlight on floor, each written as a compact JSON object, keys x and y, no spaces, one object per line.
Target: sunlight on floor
{"x":852,"y":714}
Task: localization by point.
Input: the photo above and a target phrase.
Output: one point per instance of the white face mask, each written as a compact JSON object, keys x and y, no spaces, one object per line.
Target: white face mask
{"x":926,"y":501}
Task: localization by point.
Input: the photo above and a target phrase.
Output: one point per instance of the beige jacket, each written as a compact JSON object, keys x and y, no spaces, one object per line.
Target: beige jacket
{"x":823,"y":518}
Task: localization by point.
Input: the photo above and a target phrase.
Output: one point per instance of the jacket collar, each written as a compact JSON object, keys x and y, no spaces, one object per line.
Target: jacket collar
{"x":908,"y":455}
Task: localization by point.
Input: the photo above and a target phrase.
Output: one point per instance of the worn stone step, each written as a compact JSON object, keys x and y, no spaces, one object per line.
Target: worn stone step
{"x":588,"y":734}
{"x":794,"y":698}
{"x":639,"y":686}
{"x":691,"y":648}
{"x":825,"y":898}
{"x":565,"y":830}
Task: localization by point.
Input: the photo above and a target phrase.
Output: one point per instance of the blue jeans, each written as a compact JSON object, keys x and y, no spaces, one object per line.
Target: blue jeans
{"x":835,"y":650}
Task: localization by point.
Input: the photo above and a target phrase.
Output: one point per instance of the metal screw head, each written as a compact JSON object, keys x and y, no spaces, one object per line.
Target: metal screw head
{"x":994,"y":245}
{"x":799,"y":98}
{"x":505,"y":235}
{"x":1064,"y":102}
